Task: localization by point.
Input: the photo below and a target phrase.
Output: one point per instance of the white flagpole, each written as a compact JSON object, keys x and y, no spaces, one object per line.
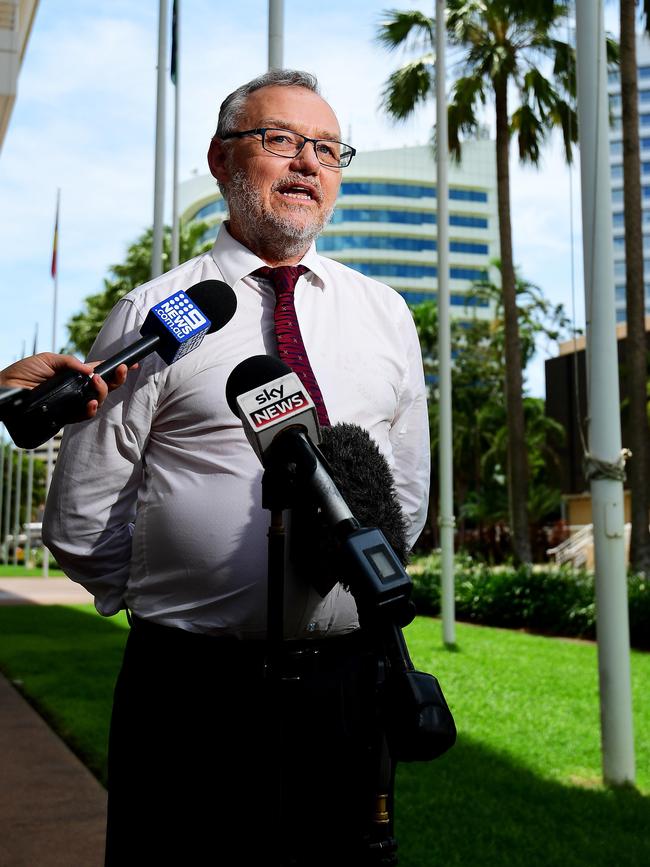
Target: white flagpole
{"x":445,"y":447}
{"x":276,"y":34}
{"x":17,"y":498}
{"x":50,"y":442}
{"x":7,"y":512}
{"x":159,"y":170}
{"x":604,"y":460}
{"x":176,"y":25}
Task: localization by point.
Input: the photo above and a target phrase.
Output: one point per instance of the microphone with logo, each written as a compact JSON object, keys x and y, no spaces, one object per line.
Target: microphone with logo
{"x":173,"y":328}
{"x":280,"y":422}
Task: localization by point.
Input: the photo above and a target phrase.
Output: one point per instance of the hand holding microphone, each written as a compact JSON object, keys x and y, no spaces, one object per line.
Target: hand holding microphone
{"x":173,"y":327}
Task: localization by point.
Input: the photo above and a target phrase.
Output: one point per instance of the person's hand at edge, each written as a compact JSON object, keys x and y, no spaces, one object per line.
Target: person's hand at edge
{"x":35,"y":369}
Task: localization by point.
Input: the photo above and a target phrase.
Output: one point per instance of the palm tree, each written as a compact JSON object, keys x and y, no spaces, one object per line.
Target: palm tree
{"x":507,"y":46}
{"x":636,"y":353}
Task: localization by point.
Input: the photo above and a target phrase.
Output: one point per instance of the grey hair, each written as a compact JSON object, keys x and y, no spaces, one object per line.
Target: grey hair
{"x":233,"y":105}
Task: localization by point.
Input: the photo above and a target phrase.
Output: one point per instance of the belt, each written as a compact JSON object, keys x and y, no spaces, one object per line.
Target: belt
{"x":292,"y":659}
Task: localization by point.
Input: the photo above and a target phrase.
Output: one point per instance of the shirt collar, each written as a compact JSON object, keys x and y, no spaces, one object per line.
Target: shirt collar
{"x":236,"y":261}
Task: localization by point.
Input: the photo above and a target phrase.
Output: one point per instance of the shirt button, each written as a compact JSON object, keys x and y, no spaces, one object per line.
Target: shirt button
{"x":311,"y":627}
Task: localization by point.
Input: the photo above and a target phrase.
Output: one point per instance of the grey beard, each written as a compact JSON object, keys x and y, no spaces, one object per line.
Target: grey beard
{"x":264,"y":228}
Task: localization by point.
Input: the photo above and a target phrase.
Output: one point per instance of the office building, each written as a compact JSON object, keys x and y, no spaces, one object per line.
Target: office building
{"x":616,"y":173}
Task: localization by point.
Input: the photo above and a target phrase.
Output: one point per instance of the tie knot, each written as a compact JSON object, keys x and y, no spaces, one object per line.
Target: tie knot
{"x":284,"y":278}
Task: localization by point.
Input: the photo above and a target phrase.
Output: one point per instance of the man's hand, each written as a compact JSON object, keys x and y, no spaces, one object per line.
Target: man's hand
{"x":32,"y":371}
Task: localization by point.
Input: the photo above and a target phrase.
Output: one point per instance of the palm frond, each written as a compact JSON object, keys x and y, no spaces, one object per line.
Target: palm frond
{"x":407,"y":87}
{"x":403,"y":28}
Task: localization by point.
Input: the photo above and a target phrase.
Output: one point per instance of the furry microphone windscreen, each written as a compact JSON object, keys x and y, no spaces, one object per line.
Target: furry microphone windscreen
{"x":364,"y":479}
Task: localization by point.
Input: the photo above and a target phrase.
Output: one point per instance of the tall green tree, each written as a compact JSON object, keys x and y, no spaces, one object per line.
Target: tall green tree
{"x":636,"y":353}
{"x":84,"y":326}
{"x":509,"y":46}
{"x":479,"y":415}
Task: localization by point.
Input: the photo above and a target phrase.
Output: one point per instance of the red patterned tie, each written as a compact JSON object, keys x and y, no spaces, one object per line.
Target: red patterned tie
{"x":287,"y":330}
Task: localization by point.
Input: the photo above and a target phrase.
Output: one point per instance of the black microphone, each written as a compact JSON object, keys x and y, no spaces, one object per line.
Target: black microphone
{"x":301,"y":473}
{"x":173,"y":327}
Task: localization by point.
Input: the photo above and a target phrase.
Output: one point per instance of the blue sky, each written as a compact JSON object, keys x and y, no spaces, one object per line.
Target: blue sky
{"x":84,"y":121}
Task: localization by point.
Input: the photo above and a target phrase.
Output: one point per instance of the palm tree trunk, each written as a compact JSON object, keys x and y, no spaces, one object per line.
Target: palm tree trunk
{"x":517,"y":456}
{"x":636,"y":352}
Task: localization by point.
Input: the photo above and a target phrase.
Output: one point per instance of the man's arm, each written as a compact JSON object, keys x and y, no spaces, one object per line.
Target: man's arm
{"x":91,"y":504}
{"x":35,"y":369}
{"x":409,"y":435}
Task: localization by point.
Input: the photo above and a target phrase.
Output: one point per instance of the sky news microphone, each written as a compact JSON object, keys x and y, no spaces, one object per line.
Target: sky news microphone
{"x":173,"y":327}
{"x":276,"y":427}
{"x":269,"y":397}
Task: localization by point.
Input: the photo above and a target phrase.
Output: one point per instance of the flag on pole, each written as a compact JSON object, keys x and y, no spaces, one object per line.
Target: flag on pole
{"x":174,"y":57}
{"x":34,"y":350}
{"x":55,"y":242}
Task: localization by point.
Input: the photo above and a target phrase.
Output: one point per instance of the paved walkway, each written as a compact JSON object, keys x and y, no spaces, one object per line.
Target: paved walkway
{"x":42,"y":591}
{"x":52,"y":809}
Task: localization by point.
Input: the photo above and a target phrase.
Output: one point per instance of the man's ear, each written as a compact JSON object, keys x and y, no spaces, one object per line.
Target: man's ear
{"x":217,"y":160}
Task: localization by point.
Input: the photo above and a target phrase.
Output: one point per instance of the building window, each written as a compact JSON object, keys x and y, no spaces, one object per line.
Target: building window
{"x":618,"y":220}
{"x":409,"y":191}
{"x":614,"y":101}
{"x":468,"y":222}
{"x":612,"y":77}
{"x":329,"y":243}
{"x":373,"y":242}
{"x":455,"y":299}
{"x":468,"y":247}
{"x":389,"y":269}
{"x":217,"y":207}
{"x":644,"y":72}
{"x":616,"y":148}
{"x":378,"y":215}
{"x":616,"y":171}
{"x":617,"y":196}
{"x":413,"y":218}
{"x":644,"y":96}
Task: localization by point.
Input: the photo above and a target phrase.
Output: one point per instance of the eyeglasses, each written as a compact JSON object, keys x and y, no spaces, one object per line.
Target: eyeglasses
{"x":286,"y":143}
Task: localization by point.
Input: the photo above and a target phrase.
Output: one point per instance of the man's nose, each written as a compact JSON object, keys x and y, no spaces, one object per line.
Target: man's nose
{"x":307,"y":160}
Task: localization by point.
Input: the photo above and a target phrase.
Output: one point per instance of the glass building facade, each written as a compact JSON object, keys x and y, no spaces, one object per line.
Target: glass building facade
{"x":616,"y":174}
{"x":385,"y":221}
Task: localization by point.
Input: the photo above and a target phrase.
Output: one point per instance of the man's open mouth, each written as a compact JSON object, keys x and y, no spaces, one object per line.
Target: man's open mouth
{"x":299,"y":192}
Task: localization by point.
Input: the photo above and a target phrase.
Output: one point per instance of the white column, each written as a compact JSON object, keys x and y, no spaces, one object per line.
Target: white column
{"x":445,"y":448}
{"x":603,"y":399}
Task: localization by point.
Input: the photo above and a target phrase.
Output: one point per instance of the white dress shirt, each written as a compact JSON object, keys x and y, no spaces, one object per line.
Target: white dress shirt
{"x":156,"y":503}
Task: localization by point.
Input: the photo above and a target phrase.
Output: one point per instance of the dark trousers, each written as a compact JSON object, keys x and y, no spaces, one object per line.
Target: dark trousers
{"x":213,"y":762}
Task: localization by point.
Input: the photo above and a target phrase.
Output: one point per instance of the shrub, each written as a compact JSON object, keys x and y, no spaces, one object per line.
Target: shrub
{"x":548,"y":599}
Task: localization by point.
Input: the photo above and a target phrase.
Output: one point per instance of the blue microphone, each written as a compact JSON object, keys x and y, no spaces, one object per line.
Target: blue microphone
{"x":173,"y":327}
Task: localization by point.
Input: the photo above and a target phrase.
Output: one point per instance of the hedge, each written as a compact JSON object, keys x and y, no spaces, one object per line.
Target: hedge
{"x":546,"y":599}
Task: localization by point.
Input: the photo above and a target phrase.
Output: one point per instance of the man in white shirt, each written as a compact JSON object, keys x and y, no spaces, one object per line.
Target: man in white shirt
{"x":156,"y":506}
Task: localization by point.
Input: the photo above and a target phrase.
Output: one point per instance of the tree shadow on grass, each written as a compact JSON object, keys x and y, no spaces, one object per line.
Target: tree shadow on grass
{"x":475,"y":806}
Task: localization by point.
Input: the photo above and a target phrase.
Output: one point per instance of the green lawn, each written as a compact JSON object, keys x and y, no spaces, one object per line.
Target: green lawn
{"x":32,"y":572}
{"x":521,"y":787}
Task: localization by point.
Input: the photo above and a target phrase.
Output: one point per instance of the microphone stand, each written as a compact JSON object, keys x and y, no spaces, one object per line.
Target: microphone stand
{"x":295,"y":473}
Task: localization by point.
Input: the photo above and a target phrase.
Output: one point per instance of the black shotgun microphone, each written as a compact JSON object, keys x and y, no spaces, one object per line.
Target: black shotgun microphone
{"x":173,"y":327}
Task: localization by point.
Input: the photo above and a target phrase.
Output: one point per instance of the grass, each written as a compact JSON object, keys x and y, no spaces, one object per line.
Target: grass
{"x":32,"y":572}
{"x":521,"y":787}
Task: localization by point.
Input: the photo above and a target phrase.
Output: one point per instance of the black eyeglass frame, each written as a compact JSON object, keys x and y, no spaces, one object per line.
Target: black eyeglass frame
{"x":351,"y":152}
